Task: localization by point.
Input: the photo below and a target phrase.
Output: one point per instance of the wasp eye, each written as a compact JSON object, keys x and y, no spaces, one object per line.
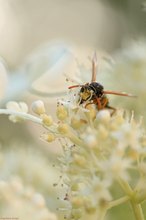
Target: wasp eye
{"x":82,"y":89}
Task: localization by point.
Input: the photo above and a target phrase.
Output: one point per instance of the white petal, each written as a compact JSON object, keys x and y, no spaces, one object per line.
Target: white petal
{"x":13,"y":106}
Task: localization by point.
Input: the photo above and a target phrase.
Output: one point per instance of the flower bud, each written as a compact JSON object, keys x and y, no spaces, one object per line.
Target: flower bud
{"x":80,"y":160}
{"x":48,"y":137}
{"x":76,"y":123}
{"x":92,"y":112}
{"x":47,"y":120}
{"x":61,"y":112}
{"x":103,"y":116}
{"x":38,"y":107}
{"x":63,"y":128}
{"x":91,"y":140}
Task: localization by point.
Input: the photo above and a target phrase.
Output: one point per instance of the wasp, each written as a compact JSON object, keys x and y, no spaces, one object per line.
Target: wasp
{"x":94,"y":93}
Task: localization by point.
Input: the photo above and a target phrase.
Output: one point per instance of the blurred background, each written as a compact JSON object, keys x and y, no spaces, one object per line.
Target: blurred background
{"x":39,"y":39}
{"x":26,"y":25}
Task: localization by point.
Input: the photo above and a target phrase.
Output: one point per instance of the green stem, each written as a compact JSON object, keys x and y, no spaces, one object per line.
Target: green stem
{"x":75,"y":139}
{"x":134,"y":203}
{"x":141,"y":197}
{"x":126,"y":187}
{"x":102,"y":214}
{"x":137,"y":211}
{"x":118,"y":202}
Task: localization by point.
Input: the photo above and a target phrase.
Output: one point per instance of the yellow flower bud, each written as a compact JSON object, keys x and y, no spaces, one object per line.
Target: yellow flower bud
{"x":38,"y":107}
{"x":47,"y":120}
{"x":63,"y":128}
{"x":76,"y":123}
{"x":61,"y":112}
{"x":48,"y":137}
{"x":79,"y":160}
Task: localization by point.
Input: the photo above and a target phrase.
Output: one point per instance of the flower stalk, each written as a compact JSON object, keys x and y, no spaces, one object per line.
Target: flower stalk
{"x":22,"y":115}
{"x":137,"y":210}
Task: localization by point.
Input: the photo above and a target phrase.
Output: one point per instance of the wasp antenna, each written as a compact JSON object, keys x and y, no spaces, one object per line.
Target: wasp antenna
{"x":119,"y":93}
{"x":94,"y":67}
{"x":75,"y":86}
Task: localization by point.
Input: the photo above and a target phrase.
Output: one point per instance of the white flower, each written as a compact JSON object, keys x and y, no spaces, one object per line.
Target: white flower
{"x":17,"y":107}
{"x":101,"y":189}
{"x":91,"y":140}
{"x":103,"y":116}
{"x":116,"y":167}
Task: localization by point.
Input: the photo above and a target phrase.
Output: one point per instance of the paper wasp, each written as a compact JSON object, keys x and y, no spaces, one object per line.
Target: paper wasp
{"x":94,"y":93}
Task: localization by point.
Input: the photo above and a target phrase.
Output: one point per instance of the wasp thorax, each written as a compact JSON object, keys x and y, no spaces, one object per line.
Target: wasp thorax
{"x":97,"y":88}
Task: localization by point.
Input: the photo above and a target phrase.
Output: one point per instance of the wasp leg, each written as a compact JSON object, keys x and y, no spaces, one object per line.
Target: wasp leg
{"x":112,"y":108}
{"x":98,"y":102}
{"x":104,"y":103}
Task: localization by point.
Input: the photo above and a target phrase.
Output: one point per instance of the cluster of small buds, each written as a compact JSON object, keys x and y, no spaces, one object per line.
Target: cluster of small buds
{"x":111,"y":147}
{"x":59,"y":129}
{"x":105,"y":150}
{"x":99,"y":150}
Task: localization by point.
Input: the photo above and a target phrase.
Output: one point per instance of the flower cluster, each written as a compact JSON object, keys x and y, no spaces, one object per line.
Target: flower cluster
{"x":99,"y":151}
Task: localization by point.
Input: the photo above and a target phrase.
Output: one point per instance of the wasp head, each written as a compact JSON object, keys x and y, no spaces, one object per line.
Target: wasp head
{"x":89,"y":91}
{"x":85,"y":94}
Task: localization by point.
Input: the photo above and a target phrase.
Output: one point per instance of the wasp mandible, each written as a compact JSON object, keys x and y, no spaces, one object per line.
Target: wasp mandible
{"x":94,"y":93}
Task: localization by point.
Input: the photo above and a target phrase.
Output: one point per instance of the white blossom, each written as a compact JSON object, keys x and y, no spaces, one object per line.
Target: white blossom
{"x":18,"y":107}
